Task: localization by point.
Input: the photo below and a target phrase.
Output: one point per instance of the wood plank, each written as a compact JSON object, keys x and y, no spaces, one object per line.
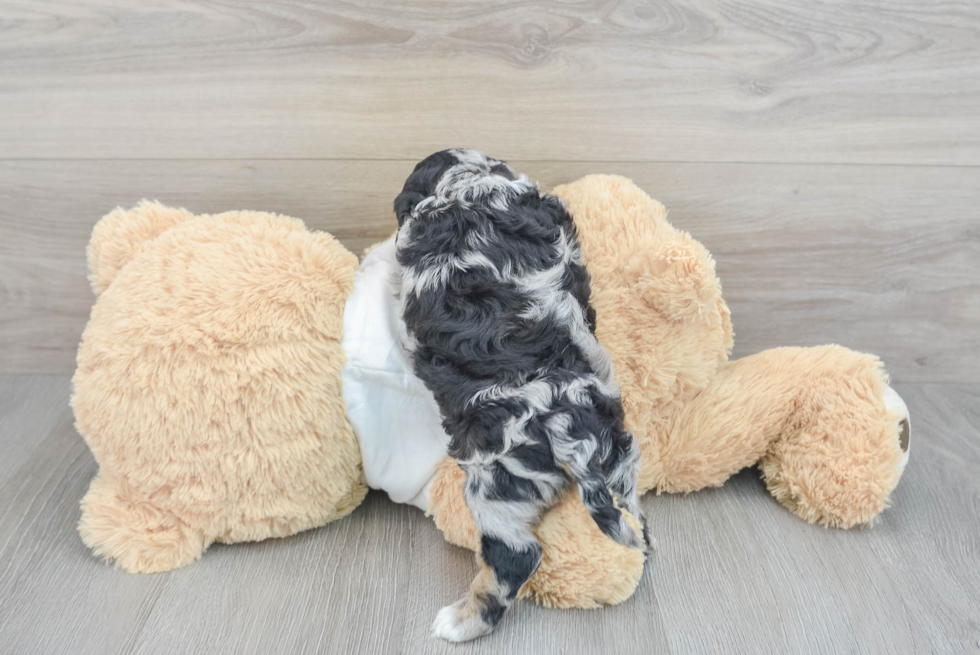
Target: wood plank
{"x":49,"y":209}
{"x":932,"y":554}
{"x":54,"y":596}
{"x":30,"y":406}
{"x":339,"y":589}
{"x":734,"y":571}
{"x":598,"y":80}
{"x":883,"y":259}
{"x":739,"y":573}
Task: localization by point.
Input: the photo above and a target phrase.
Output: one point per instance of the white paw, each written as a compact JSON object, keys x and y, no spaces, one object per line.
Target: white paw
{"x":452,"y":624}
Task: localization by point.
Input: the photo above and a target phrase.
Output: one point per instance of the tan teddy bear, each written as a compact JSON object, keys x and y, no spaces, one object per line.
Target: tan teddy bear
{"x":218,"y":391}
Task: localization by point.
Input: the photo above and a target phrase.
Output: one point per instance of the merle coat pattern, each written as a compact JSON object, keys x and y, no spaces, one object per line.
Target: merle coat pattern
{"x":495,"y":300}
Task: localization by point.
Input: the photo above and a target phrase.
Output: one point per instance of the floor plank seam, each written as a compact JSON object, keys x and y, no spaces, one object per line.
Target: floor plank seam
{"x":411,"y":160}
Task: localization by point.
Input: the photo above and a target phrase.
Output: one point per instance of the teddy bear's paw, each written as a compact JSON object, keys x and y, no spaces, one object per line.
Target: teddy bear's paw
{"x":459,"y":622}
{"x":134,"y":534}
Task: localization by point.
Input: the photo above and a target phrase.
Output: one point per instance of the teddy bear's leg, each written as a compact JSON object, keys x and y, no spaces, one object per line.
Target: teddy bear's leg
{"x":816,"y":419}
{"x":845,"y":447}
{"x":580,"y":566}
{"x":133,"y":534}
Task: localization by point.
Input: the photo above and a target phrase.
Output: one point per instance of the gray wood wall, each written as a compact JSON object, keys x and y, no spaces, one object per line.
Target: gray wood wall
{"x":828,"y":154}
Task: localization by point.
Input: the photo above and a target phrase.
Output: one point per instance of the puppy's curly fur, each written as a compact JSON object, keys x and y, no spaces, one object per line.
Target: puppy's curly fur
{"x":495,"y":300}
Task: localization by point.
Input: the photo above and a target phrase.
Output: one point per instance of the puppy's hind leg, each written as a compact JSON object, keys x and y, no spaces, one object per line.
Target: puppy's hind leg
{"x":489,"y":597}
{"x":506,"y":509}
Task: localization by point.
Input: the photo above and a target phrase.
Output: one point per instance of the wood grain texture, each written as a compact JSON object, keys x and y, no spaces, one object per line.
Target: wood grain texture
{"x":734,"y":571}
{"x":827,"y":153}
{"x":30,"y":405}
{"x":879,"y":259}
{"x":339,"y":589}
{"x":636,"y":80}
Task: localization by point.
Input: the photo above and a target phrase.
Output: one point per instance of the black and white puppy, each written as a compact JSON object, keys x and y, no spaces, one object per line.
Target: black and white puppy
{"x":495,"y":300}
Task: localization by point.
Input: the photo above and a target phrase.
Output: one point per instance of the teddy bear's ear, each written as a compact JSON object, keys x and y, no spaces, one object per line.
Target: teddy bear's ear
{"x":121,"y":233}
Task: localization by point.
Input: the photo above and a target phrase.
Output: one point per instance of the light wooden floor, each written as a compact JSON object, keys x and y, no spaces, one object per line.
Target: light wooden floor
{"x":734,"y":573}
{"x":827,"y":153}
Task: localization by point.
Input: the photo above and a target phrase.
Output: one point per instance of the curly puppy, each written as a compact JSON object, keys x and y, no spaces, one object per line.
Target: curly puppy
{"x":495,"y":301}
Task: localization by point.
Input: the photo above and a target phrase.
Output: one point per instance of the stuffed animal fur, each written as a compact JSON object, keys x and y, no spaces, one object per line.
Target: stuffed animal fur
{"x":209,"y":388}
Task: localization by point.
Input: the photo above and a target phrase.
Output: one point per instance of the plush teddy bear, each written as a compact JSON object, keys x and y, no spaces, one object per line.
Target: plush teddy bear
{"x":242,"y":378}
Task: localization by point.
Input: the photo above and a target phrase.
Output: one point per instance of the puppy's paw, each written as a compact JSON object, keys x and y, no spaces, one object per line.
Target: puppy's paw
{"x":458,"y":622}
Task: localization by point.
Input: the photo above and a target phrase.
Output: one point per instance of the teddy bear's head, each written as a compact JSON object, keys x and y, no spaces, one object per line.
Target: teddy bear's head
{"x":208,"y":383}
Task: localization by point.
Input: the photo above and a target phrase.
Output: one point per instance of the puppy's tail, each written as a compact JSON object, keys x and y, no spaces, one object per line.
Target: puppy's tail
{"x":599,"y":503}
{"x":581,"y":459}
